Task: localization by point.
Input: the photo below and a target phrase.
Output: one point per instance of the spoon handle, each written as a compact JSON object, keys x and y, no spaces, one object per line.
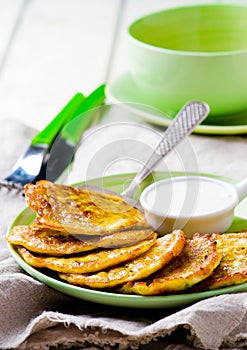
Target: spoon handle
{"x":192,"y":114}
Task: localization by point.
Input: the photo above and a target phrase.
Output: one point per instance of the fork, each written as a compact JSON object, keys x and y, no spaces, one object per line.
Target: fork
{"x":30,"y":163}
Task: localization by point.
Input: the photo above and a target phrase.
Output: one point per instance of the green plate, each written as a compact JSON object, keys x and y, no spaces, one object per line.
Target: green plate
{"x":115,"y":183}
{"x":124,"y":91}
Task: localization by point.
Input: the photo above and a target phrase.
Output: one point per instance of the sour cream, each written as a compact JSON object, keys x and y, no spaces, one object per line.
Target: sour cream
{"x":185,"y":196}
{"x":190,"y":202}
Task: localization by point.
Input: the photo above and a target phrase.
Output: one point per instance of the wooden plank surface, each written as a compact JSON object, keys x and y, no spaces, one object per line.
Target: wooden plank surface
{"x":61,"y":47}
{"x":9,"y":15}
{"x":50,"y":49}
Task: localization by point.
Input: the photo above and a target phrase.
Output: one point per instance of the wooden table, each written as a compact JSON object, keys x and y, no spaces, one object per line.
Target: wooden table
{"x":50,"y":49}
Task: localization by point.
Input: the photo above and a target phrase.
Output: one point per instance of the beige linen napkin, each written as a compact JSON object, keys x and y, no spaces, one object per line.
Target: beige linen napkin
{"x":34,"y":316}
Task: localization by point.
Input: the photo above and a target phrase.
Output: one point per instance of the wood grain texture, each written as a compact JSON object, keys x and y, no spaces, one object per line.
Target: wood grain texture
{"x":61,"y":47}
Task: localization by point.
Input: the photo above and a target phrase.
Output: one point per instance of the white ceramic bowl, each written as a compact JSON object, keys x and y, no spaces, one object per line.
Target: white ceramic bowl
{"x":191,"y":203}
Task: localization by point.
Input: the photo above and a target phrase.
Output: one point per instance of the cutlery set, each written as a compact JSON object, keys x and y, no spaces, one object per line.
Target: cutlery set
{"x":52,"y":150}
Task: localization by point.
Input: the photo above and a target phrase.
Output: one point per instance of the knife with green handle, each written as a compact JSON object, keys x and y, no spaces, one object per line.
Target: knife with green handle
{"x":66,"y":143}
{"x":72,"y":131}
{"x":49,"y":133}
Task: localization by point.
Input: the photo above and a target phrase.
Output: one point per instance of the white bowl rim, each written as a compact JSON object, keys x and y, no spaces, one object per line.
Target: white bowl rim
{"x":230,"y":207}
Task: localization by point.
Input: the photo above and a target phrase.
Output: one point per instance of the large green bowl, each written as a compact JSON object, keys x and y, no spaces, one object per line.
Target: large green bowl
{"x":192,"y":52}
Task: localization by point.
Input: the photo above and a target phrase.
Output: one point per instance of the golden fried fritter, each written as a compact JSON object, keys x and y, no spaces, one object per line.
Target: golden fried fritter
{"x":159,"y":255}
{"x":74,"y":210}
{"x":46,"y":241}
{"x":233,"y":266}
{"x":121,"y":238}
{"x":90,"y":262}
{"x":197,"y":261}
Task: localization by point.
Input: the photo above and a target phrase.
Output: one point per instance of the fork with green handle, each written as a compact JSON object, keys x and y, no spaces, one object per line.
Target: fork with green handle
{"x":33,"y":163}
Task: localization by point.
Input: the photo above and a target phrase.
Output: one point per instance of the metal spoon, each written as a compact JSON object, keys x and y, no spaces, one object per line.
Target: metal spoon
{"x":191,"y":115}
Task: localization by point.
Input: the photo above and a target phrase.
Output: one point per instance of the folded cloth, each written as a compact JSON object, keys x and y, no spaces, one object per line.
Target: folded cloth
{"x":34,"y":316}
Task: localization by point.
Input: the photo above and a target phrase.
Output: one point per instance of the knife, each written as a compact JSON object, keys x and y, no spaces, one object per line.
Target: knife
{"x":64,"y":147}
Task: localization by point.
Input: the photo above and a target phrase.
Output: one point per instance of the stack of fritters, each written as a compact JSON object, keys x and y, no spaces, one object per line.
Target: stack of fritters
{"x":233,"y":265}
{"x":97,"y":240}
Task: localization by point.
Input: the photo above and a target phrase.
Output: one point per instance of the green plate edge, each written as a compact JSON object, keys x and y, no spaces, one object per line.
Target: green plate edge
{"x":114,"y":182}
{"x":123,"y":91}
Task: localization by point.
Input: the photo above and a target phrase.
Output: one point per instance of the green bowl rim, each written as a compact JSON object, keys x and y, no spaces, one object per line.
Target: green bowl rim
{"x":183,"y":52}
